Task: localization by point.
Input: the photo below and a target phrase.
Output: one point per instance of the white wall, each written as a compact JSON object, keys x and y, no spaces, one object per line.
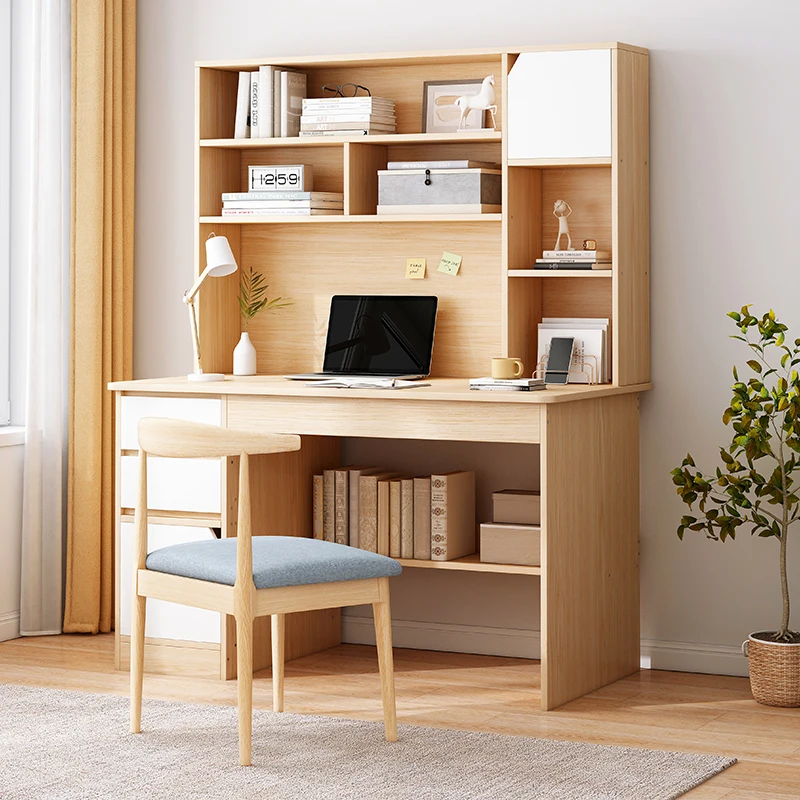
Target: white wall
{"x":723,"y":169}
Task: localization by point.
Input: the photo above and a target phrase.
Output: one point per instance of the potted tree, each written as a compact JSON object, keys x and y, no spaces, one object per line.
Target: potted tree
{"x":755,"y":486}
{"x":252,"y":300}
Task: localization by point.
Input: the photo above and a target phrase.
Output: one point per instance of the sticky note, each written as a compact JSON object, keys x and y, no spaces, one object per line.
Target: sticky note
{"x":415,"y":268}
{"x":450,"y":263}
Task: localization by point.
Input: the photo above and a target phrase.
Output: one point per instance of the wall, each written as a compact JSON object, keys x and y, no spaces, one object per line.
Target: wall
{"x":724,"y":157}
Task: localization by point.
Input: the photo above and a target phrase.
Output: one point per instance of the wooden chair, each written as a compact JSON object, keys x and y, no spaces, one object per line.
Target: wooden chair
{"x":250,"y":576}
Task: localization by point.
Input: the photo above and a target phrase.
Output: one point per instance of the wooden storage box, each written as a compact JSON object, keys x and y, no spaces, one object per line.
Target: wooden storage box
{"x":516,"y":506}
{"x":400,"y":188}
{"x":511,"y":544}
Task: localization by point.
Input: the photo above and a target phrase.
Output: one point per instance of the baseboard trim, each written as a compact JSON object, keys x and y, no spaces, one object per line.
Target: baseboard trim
{"x":9,"y":626}
{"x":671,"y":656}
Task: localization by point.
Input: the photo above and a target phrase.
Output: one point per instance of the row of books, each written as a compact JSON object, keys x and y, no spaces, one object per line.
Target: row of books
{"x":574,"y":259}
{"x":282,"y":203}
{"x":426,"y":518}
{"x":347,"y":116}
{"x":591,"y":361}
{"x":506,"y":384}
{"x":269,"y":103}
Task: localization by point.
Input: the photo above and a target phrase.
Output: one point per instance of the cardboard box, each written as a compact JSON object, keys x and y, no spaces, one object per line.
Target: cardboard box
{"x":511,"y":544}
{"x":517,"y":506}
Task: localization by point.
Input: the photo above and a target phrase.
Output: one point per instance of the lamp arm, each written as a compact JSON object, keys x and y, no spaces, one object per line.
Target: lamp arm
{"x":192,"y":293}
{"x":195,"y":336}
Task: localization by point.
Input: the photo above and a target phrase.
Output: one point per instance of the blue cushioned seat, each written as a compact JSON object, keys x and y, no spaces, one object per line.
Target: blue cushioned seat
{"x":277,"y":561}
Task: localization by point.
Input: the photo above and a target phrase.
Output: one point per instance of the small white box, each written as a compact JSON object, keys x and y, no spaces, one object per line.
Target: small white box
{"x":517,"y":506}
{"x":511,"y":544}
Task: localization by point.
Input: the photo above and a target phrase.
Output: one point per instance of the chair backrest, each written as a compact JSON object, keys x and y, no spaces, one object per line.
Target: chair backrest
{"x":173,"y":438}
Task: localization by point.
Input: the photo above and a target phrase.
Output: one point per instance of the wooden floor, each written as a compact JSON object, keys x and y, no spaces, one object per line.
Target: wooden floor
{"x":665,"y":710}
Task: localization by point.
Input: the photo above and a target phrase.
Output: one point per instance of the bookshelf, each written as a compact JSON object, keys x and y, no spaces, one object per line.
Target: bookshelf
{"x":584,"y":438}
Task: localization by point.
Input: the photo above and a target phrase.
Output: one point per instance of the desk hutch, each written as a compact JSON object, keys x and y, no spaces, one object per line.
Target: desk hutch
{"x":586,"y":436}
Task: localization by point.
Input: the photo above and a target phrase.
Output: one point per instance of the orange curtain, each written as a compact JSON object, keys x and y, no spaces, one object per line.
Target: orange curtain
{"x":101,"y":269}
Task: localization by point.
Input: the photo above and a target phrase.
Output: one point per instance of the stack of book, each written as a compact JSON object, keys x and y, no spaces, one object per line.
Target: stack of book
{"x":427,"y":518}
{"x":590,"y":354}
{"x":574,"y":259}
{"x":509,"y":385}
{"x":282,"y":204}
{"x":268,"y":103}
{"x":347,"y":116}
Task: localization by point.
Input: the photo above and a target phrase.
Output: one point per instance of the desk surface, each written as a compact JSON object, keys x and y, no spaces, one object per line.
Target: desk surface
{"x":440,"y":389}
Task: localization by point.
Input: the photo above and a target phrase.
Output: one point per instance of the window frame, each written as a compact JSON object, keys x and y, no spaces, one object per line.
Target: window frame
{"x":5,"y":210}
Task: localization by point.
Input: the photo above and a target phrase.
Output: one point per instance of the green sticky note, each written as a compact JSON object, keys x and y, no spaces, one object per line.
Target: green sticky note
{"x":450,"y":263}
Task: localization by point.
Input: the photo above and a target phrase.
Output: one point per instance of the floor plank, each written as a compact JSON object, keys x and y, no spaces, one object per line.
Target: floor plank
{"x":662,"y":710}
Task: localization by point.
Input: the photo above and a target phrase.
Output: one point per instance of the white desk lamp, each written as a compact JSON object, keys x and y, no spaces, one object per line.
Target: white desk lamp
{"x":219,"y":262}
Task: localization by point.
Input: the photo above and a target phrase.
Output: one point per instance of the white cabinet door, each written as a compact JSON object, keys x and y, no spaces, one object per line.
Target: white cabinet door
{"x":559,"y":105}
{"x":191,"y":409}
{"x":174,"y":484}
{"x":164,"y":620}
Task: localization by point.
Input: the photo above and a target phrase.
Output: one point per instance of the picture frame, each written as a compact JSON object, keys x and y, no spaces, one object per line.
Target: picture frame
{"x":440,"y":115}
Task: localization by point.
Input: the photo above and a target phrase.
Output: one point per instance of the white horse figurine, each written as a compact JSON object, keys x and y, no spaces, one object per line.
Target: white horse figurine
{"x":483,"y":101}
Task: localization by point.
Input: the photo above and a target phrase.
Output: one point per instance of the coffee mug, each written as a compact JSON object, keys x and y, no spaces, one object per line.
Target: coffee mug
{"x":504,"y":369}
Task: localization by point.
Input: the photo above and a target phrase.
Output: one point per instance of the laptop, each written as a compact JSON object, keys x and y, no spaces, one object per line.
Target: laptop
{"x":378,"y":336}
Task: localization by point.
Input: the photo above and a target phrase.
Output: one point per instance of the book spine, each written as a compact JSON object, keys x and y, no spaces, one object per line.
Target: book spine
{"x":330,"y":205}
{"x":395,"y":514}
{"x":438,"y":518}
{"x":313,"y":105}
{"x":342,"y":519}
{"x":589,"y":255}
{"x":276,"y":102}
{"x":563,"y":265}
{"x":368,"y":514}
{"x":255,"y":115}
{"x":407,"y":518}
{"x":266,"y":90}
{"x":241,"y":129}
{"x":422,"y":518}
{"x":277,"y":212}
{"x":284,"y":103}
{"x":295,"y":93}
{"x":343,"y":126}
{"x":329,"y":505}
{"x":355,"y":491}
{"x":383,"y":517}
{"x":318,"y":119}
{"x":283,"y":195}
{"x":318,"y":512}
{"x":403,"y":165}
{"x":354,"y":132}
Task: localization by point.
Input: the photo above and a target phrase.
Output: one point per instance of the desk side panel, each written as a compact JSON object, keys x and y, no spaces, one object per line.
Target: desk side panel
{"x":382,"y":418}
{"x":590,"y":546}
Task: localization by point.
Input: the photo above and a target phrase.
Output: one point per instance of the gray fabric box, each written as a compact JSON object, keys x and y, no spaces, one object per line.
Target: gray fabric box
{"x":400,"y":187}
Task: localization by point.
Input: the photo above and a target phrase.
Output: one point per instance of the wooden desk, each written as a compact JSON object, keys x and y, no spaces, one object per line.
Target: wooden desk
{"x":588,"y":440}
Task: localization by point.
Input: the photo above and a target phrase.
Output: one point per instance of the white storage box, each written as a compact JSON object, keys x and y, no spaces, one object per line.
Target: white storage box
{"x":418,"y":190}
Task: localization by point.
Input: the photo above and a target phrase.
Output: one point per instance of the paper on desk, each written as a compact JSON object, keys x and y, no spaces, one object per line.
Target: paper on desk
{"x":360,"y":383}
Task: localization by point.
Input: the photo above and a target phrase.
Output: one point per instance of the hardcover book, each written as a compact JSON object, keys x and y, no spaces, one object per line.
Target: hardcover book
{"x":329,"y":505}
{"x":342,"y":516}
{"x":395,"y":517}
{"x":422,"y":518}
{"x":241,"y":128}
{"x":453,"y":526}
{"x":368,"y":511}
{"x":407,"y":518}
{"x":317,"y":509}
{"x":383,"y":516}
{"x":355,"y":498}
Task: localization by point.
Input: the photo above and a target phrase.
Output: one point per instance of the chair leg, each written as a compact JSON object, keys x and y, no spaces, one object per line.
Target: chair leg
{"x":244,"y":672}
{"x":137,"y":661}
{"x":278,"y":658}
{"x":383,"y":639}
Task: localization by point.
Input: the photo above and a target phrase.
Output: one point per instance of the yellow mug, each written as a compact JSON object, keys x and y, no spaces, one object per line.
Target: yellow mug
{"x":504,"y":369}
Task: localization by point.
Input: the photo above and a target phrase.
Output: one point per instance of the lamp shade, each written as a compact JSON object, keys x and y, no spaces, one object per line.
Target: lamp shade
{"x":219,"y":257}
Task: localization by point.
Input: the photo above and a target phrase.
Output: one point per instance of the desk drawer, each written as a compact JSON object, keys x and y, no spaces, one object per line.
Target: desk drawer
{"x":191,"y":409}
{"x":174,"y":484}
{"x":164,"y":620}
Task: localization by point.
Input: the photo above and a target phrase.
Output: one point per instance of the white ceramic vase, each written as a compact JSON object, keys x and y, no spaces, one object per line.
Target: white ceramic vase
{"x":244,"y":357}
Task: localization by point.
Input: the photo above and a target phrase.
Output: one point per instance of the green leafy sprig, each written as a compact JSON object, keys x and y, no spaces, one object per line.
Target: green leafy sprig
{"x":253,"y":296}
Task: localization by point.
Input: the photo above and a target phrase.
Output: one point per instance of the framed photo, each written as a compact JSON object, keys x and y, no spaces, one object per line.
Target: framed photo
{"x":440,"y":114}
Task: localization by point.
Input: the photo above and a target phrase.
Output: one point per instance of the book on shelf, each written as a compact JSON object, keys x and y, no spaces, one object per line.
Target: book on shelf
{"x":576,"y":264}
{"x":353,"y":505}
{"x":279,"y":212}
{"x":329,"y":505}
{"x":407,"y":518}
{"x":590,"y":356}
{"x":317,"y":507}
{"x":422,"y":518}
{"x":322,"y":119}
{"x":453,"y":529}
{"x":384,"y":487}
{"x":511,"y":385}
{"x":571,"y":255}
{"x":331,"y":205}
{"x":254,"y":104}
{"x":342,"y":500}
{"x":293,"y":90}
{"x":395,"y":517}
{"x":276,"y":102}
{"x":280,"y":194}
{"x":443,"y":208}
{"x":457,"y":164}
{"x":368,"y":510}
{"x":241,"y":128}
{"x":347,"y":105}
{"x":378,"y":127}
{"x":266,"y":92}
{"x":353,"y":132}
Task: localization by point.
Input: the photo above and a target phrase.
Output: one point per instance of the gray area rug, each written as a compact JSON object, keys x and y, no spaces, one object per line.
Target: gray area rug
{"x":66,"y":745}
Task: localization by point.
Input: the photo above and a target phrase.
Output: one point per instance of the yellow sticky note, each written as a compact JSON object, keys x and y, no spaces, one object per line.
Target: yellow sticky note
{"x":415,"y":268}
{"x":450,"y":263}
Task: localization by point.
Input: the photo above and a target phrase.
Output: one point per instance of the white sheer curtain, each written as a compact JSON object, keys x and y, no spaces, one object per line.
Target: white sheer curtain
{"x":47,"y":345}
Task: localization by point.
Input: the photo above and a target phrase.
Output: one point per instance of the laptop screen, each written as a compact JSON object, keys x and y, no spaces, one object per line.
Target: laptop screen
{"x":380,"y":335}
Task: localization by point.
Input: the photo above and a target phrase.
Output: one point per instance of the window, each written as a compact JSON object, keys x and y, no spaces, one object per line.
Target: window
{"x":5,"y":198}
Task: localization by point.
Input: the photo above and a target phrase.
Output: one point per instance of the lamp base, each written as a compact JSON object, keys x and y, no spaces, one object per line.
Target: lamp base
{"x":206,"y":376}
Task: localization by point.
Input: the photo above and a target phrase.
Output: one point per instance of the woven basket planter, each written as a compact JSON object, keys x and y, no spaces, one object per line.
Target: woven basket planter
{"x":774,"y":671}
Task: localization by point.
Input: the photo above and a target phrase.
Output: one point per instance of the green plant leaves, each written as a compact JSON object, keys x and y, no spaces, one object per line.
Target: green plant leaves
{"x":252,"y":296}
